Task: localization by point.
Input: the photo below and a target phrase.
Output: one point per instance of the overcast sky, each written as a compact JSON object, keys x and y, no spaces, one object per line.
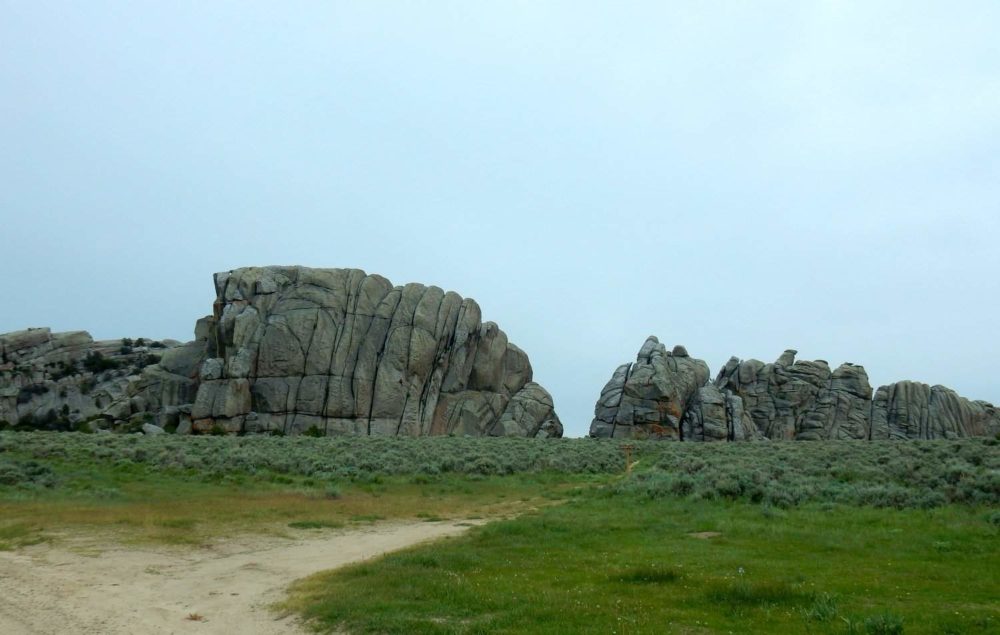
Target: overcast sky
{"x":737,"y":177}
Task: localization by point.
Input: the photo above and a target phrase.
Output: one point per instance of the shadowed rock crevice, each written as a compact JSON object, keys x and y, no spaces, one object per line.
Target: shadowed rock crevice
{"x":786,"y":399}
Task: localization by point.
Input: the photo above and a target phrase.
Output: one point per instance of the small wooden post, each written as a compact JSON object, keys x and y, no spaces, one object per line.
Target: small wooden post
{"x":628,"y":447}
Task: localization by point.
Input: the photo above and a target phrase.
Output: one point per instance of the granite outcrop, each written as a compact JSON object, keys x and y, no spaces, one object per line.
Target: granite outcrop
{"x":59,"y":381}
{"x":292,"y":350}
{"x":667,"y":395}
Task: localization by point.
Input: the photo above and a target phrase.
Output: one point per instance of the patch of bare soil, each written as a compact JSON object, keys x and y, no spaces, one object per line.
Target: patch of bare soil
{"x":83,"y":586}
{"x":705,"y":535}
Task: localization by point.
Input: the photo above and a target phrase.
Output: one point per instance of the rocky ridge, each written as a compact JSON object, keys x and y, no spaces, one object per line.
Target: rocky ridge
{"x":668,"y":395}
{"x":294,"y":350}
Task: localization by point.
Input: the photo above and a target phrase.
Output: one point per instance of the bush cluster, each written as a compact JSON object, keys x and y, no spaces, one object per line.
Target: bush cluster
{"x":896,"y":474}
{"x":95,"y":362}
{"x":25,"y":474}
{"x":326,"y":457}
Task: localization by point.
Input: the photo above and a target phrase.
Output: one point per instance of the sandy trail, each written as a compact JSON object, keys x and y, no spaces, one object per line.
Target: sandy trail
{"x":85,"y":587}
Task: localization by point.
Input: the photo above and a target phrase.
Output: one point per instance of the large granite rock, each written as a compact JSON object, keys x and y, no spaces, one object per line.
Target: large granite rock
{"x":649,"y":397}
{"x":718,"y":415}
{"x":786,"y":399}
{"x":337,"y":351}
{"x":289,"y":350}
{"x":791,"y":399}
{"x":911,"y":410}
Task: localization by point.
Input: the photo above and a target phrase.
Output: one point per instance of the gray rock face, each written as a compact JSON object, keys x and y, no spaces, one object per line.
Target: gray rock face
{"x":786,"y":399}
{"x":57,"y":381}
{"x":341,"y":352}
{"x":911,"y":410}
{"x":289,"y":349}
{"x":804,"y":400}
{"x":649,"y":397}
{"x":717,"y":415}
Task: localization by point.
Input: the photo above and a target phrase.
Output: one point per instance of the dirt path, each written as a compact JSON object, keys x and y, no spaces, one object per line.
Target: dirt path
{"x":90,"y":588}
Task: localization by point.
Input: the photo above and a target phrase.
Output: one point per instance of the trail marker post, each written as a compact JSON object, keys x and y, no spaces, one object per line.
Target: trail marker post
{"x":627,"y":448}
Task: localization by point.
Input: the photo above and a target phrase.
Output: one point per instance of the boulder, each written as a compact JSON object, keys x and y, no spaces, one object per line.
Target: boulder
{"x":338,"y":351}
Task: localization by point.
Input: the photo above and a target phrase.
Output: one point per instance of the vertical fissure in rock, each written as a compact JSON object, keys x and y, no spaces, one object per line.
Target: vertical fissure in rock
{"x":402,"y":414}
{"x":378,"y":365}
{"x":621,"y":397}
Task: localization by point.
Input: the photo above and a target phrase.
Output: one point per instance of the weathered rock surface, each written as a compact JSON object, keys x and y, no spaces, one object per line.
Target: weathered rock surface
{"x":341,"y":352}
{"x":718,"y":415}
{"x":911,"y":410}
{"x":65,"y":381}
{"x":654,"y":391}
{"x":294,"y":349}
{"x":337,"y":351}
{"x":786,"y":399}
{"x":792,"y":399}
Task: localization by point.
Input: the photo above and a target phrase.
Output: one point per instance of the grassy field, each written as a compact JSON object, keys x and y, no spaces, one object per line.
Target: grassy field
{"x":608,"y":564}
{"x":701,"y":538}
{"x":135,"y":506}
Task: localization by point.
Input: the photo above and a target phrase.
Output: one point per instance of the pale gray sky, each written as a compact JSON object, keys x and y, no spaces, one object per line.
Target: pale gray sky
{"x":737,"y":177}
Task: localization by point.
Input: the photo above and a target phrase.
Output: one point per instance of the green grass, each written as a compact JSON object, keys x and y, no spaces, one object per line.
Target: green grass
{"x":144,"y":503}
{"x":625,"y":564}
{"x":873,"y":538}
{"x":17,"y":535}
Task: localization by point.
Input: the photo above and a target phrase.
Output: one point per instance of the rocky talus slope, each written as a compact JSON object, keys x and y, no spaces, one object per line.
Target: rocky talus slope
{"x":321,"y":351}
{"x":666,"y":394}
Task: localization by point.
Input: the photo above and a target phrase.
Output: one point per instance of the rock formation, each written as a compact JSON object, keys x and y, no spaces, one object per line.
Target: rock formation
{"x":654,"y":391}
{"x":342,"y":352}
{"x":59,"y":381}
{"x":792,"y":399}
{"x":911,"y":410}
{"x":325,"y":351}
{"x":718,"y":415}
{"x":786,"y":399}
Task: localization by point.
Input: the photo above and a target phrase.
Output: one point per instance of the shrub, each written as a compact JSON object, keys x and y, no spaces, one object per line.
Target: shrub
{"x":30,"y":391}
{"x":95,"y":362}
{"x":884,"y":624}
{"x":25,"y":474}
{"x":823,"y":609}
{"x":649,"y":575}
{"x":65,"y":369}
